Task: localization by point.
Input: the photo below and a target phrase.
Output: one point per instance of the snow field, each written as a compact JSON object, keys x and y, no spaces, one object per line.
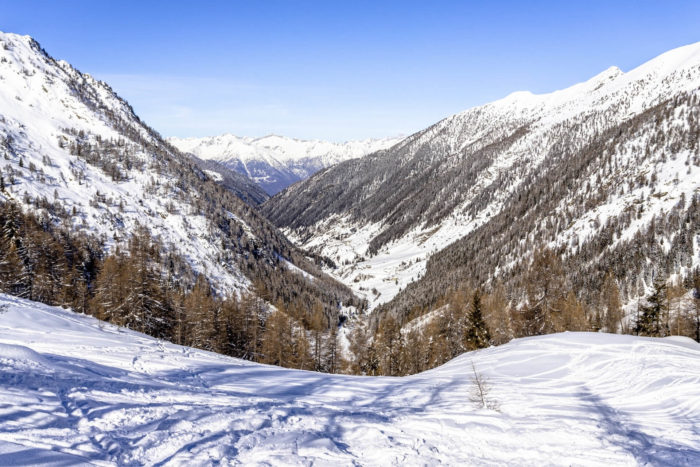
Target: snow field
{"x":73,"y":389}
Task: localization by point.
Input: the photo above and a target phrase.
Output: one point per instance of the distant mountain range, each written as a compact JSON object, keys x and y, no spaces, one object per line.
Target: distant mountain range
{"x":275,"y":162}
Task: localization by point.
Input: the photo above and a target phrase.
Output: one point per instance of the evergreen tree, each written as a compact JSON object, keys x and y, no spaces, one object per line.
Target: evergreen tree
{"x":477,"y":336}
{"x":651,"y":320}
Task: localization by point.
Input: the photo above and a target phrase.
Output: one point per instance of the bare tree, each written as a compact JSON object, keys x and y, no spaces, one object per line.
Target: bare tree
{"x":480,"y":390}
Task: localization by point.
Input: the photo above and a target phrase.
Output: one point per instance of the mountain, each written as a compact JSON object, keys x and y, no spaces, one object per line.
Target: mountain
{"x":275,"y":162}
{"x":75,"y":155}
{"x":605,"y":173}
{"x":239,"y":184}
{"x":75,"y":390}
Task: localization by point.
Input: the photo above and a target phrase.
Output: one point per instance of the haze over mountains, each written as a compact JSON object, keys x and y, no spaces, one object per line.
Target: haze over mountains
{"x":275,"y":162}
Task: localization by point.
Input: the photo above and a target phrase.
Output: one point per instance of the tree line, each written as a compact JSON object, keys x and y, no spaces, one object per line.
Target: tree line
{"x":467,"y":318}
{"x":141,"y":286}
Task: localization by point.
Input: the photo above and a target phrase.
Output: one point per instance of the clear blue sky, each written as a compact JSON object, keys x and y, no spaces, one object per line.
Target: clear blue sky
{"x":341,"y":70}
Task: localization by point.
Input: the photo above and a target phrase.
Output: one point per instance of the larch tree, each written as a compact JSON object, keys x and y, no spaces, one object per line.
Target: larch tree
{"x":546,"y":287}
{"x":498,"y":315}
{"x":389,"y":345}
{"x":611,"y":304}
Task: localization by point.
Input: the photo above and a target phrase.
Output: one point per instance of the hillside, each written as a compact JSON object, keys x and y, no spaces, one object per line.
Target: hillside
{"x":275,"y":162}
{"x":76,"y":157}
{"x":237,"y":183}
{"x":605,"y":173}
{"x":75,"y":390}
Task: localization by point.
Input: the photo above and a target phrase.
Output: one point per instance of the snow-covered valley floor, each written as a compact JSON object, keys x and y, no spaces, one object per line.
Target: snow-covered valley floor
{"x":74,"y":390}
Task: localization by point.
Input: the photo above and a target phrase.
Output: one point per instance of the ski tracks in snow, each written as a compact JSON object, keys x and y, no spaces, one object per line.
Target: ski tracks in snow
{"x":75,"y":390}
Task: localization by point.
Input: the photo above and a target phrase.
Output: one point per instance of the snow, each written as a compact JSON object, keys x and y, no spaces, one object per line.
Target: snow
{"x":278,"y":150}
{"x":73,"y":389}
{"x":38,"y":102}
{"x":607,"y":99}
{"x":266,"y":159}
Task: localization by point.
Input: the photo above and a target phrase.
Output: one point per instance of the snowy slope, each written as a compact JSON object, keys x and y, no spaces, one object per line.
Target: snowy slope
{"x":276,"y":162}
{"x":69,"y":142}
{"x":380,"y":218}
{"x":73,"y":390}
{"x":40,"y":99}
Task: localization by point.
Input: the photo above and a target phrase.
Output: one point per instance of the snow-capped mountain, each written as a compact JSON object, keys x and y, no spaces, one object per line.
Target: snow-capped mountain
{"x":275,"y":162}
{"x":76,"y":391}
{"x":74,"y":152}
{"x":606,"y":172}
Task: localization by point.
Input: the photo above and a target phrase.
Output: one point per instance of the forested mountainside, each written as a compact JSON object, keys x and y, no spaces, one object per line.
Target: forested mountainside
{"x":85,"y":186}
{"x":604,"y":174}
{"x":242,"y":186}
{"x":275,"y":162}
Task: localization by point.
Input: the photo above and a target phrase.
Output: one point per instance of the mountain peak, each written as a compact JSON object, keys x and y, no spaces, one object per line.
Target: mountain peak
{"x":276,"y":161}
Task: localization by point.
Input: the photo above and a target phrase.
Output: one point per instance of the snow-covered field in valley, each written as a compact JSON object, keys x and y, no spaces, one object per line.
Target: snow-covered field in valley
{"x":75,"y":390}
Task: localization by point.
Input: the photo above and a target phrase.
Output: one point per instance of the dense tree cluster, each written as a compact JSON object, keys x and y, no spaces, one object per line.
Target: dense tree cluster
{"x":142,"y":286}
{"x":468,"y":319}
{"x":465,"y":322}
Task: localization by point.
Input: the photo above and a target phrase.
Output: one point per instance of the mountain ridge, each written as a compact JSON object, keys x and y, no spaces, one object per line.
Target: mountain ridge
{"x":384,"y":215}
{"x":274,"y":161}
{"x":76,"y":153}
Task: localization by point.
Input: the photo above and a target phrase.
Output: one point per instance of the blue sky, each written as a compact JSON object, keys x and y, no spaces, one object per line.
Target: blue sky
{"x":341,"y":70}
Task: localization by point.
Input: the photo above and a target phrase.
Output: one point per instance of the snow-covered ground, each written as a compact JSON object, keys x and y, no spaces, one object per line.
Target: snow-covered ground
{"x":73,"y":389}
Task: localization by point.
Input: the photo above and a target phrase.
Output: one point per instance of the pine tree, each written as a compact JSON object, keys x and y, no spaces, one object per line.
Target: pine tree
{"x":477,"y":336}
{"x":651,"y":323}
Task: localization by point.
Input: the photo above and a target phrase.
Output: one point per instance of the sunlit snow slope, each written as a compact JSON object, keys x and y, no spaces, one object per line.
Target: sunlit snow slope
{"x":75,"y":153}
{"x":383,"y":217}
{"x":73,"y":389}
